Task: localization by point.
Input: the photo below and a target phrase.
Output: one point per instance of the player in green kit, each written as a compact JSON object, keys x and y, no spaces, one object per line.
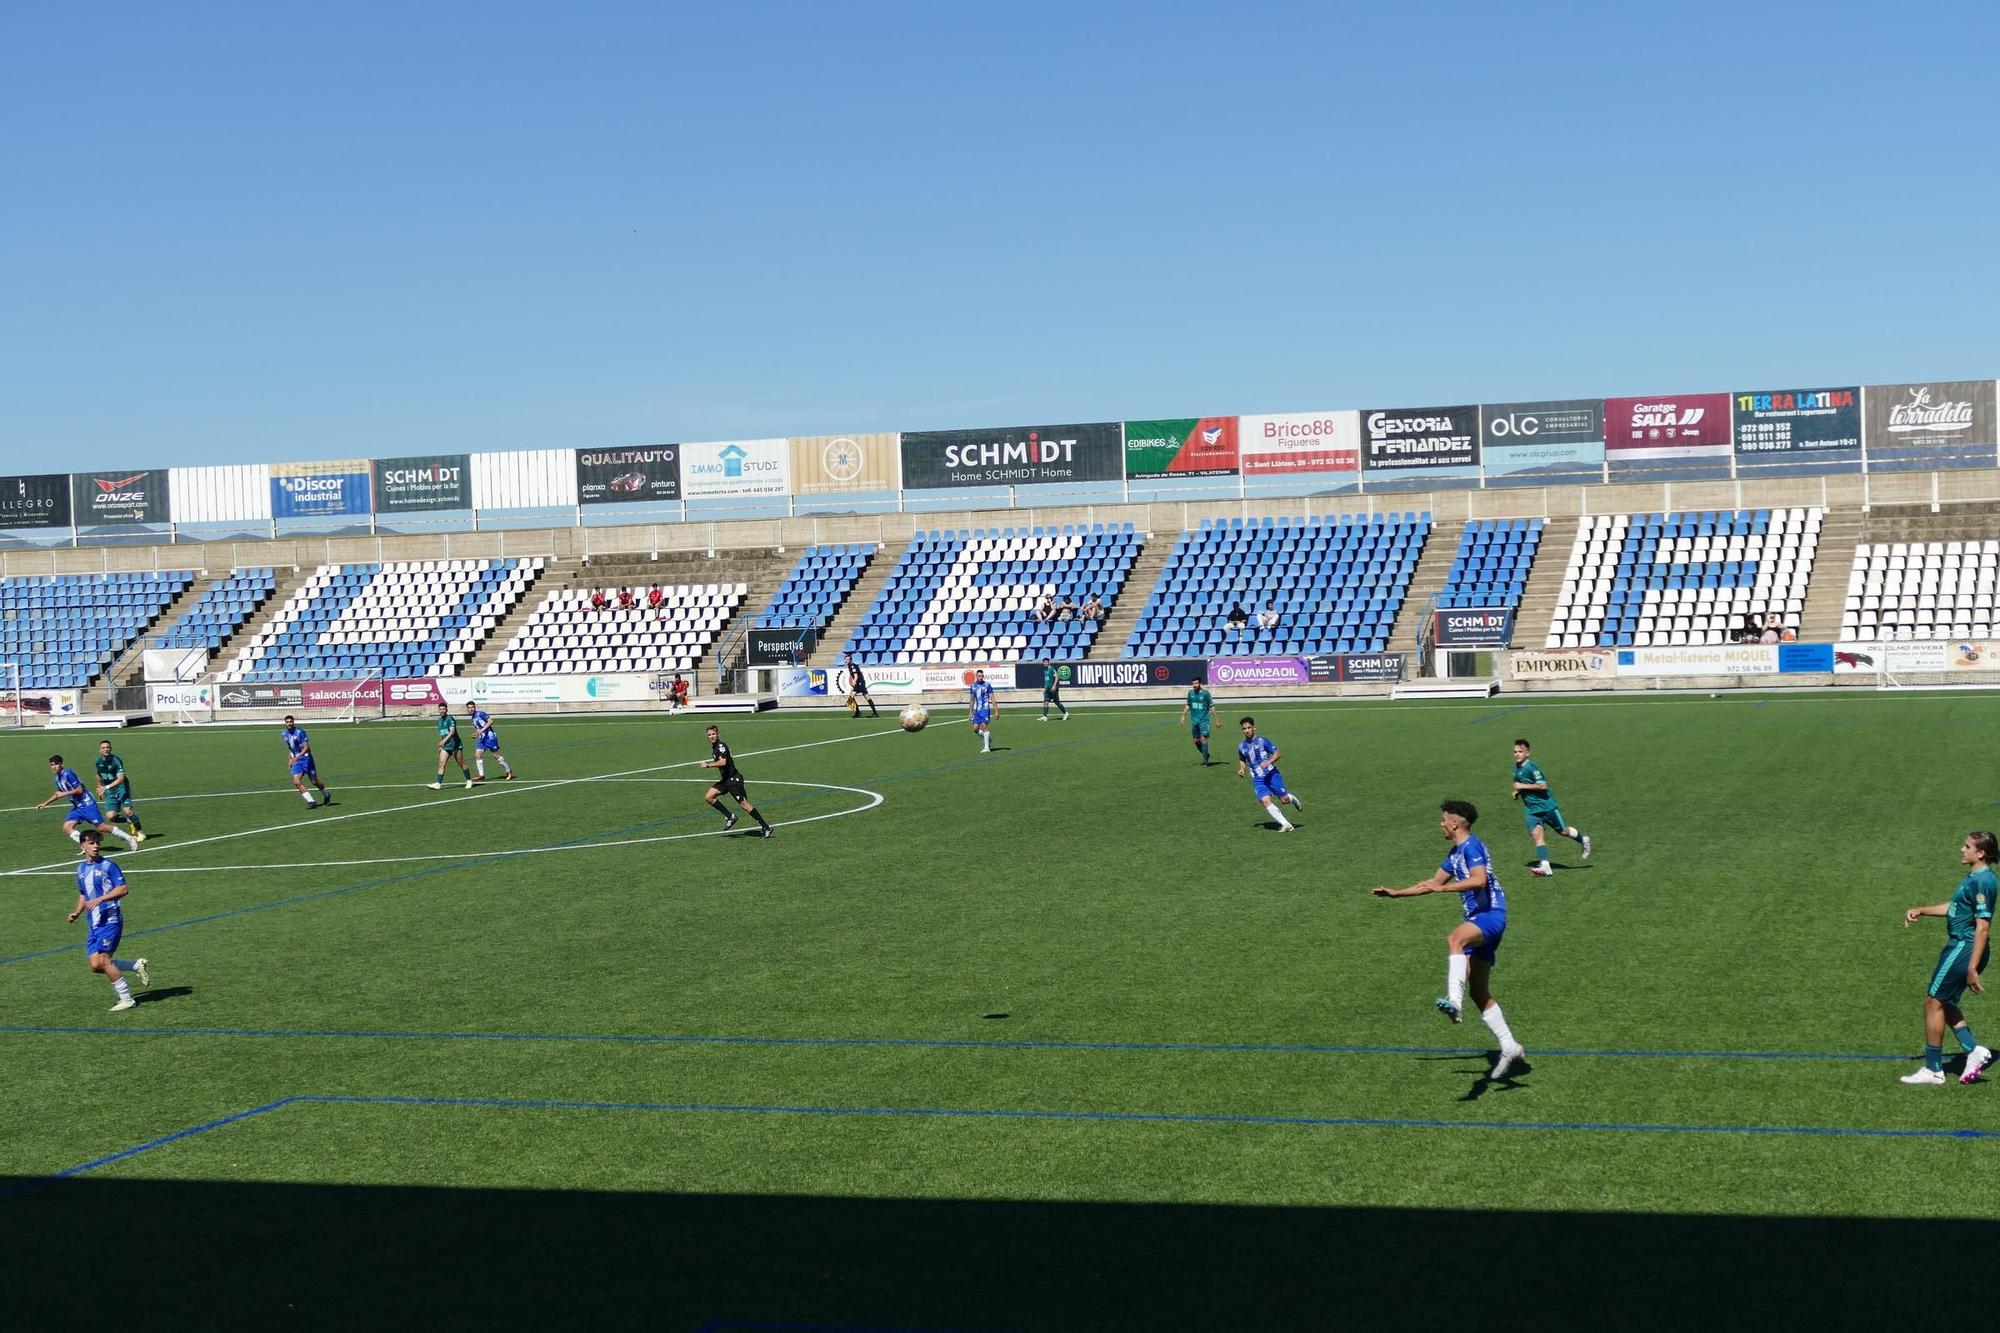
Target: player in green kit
{"x":1968,"y":931}
{"x":1538,"y":809}
{"x":450,"y":744}
{"x":114,"y":788}
{"x":1195,"y":713}
{"x":1052,"y":690}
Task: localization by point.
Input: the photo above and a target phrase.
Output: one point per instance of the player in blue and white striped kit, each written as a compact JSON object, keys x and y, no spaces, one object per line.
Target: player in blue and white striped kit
{"x":1472,"y":944}
{"x":100,"y":889}
{"x":83,"y":814}
{"x":303,"y":767}
{"x":982,"y":710}
{"x":1258,"y":756}
{"x":485,"y":741}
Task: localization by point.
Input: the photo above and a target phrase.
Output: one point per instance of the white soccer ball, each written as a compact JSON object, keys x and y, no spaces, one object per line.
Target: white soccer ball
{"x":915,"y":716}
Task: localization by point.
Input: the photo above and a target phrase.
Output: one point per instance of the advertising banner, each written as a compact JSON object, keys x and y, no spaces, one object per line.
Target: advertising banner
{"x":1421,"y":444}
{"x":1728,"y":659}
{"x":411,"y":485}
{"x":1668,"y":433}
{"x":1013,"y":456}
{"x":1238,"y":672}
{"x":180,"y":698}
{"x":1781,"y":431}
{"x":1562,"y":664}
{"x":797,"y":682}
{"x":1555,"y":442}
{"x":1850,"y":659}
{"x":629,"y":687}
{"x":1181,"y":447}
{"x":778,"y":647}
{"x":1299,"y":442}
{"x":1805,"y":657}
{"x":45,"y":703}
{"x":237,"y":694}
{"x":1474,"y":627}
{"x":834,"y":463}
{"x":906,"y":678}
{"x":1326,"y":668}
{"x":1914,"y":427}
{"x":732,"y":468}
{"x":40,"y":501}
{"x":118,"y":498}
{"x":628,"y":476}
{"x":320,"y":490}
{"x":332,"y":694}
{"x":1121,"y":674}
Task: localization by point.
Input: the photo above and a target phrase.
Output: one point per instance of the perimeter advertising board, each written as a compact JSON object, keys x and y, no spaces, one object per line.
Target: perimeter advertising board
{"x":413,"y":485}
{"x":835,"y":463}
{"x":1013,"y":456}
{"x":1674,"y":434}
{"x":1788,"y":431}
{"x":118,"y":499}
{"x":1555,"y":442}
{"x":1126,"y":673}
{"x":1728,"y":659}
{"x":628,"y":476}
{"x":736,"y":468}
{"x":1562,"y":664}
{"x":629,"y":687}
{"x":1348,"y":668}
{"x":1181,"y":447}
{"x":1419,"y":446}
{"x":1474,"y":627}
{"x":332,"y":694}
{"x":40,"y":501}
{"x":320,"y":490}
{"x":1273,"y":446}
{"x":1915,"y":427}
{"x":905,"y":678}
{"x":180,"y":698}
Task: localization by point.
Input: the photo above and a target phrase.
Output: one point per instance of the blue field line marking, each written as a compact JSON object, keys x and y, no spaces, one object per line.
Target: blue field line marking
{"x":148,"y":1146}
{"x":1490,"y":716}
{"x":938,"y":1043}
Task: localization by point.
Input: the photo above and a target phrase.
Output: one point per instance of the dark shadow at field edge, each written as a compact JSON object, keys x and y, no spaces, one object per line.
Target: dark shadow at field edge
{"x":194,"y":1254}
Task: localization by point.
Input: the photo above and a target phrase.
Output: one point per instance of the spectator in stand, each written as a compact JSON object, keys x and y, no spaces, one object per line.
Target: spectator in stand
{"x":1752,"y":630}
{"x":1772,"y":625}
{"x":1788,"y":635}
{"x":1066,"y":608}
{"x":1093,"y":609}
{"x":1046,"y":612}
{"x":625,"y":602}
{"x":598,"y":601}
{"x":1238,"y":619}
{"x":655,"y":597}
{"x":1268,"y":617}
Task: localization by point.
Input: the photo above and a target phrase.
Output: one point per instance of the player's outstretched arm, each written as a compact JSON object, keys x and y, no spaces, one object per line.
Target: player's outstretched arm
{"x":1935,"y":909}
{"x":1438,"y":883}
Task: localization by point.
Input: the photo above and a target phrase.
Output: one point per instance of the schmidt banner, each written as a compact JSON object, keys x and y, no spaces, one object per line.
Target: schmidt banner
{"x":1013,"y":456}
{"x":34,"y":502}
{"x":628,"y":476}
{"x":1782,"y":432}
{"x":1181,"y":447}
{"x":319,"y":490}
{"x":1915,"y":427}
{"x":409,"y":485}
{"x":1667,"y":436}
{"x":1556,"y":442}
{"x":1474,"y":627}
{"x":1419,"y":446}
{"x":121,"y":498}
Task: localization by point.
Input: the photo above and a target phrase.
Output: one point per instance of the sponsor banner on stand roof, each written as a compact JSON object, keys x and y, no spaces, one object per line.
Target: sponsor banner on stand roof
{"x":1013,"y":456}
{"x":1562,"y":664}
{"x":722,"y":468}
{"x":411,"y":485}
{"x":1915,"y":427}
{"x":1669,"y":434}
{"x":1474,"y":626}
{"x":1728,"y":659}
{"x":1420,"y":446}
{"x":320,"y":490}
{"x":1290,"y":442}
{"x":1181,"y":447}
{"x":1788,"y":431}
{"x":118,"y":497}
{"x":628,"y":476}
{"x":39,"y":501}
{"x":834,"y":463}
{"x":1555,"y":442}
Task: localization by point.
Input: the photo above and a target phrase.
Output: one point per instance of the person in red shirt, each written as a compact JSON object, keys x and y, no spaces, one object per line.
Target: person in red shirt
{"x":655,"y":597}
{"x":678,"y":692}
{"x":625,"y":599}
{"x":598,"y":601}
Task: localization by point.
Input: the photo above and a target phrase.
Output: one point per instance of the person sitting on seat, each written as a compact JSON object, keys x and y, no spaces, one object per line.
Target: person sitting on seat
{"x":677,"y":693}
{"x":625,"y":602}
{"x":1238,"y":619}
{"x":1093,"y":609}
{"x":1268,"y":617}
{"x":1045,"y":612}
{"x":655,"y":597}
{"x":1066,"y":608}
{"x":598,"y":601}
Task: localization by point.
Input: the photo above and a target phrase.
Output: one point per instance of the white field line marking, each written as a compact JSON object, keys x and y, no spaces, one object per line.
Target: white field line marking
{"x":875,"y":798}
{"x":503,"y":789}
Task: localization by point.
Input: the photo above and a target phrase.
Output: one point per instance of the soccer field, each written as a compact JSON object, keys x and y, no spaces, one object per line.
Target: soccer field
{"x":1058,"y":1037}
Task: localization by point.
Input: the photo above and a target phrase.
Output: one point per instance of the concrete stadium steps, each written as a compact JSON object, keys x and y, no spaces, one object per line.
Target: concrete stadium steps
{"x":1155,"y":549}
{"x":287,"y":584}
{"x":759,"y":569}
{"x":1978,"y":521}
{"x":1426,"y":582}
{"x":128,"y":668}
{"x":517,"y":615}
{"x":866,"y":589}
{"x":1826,"y":591}
{"x":1545,"y":580}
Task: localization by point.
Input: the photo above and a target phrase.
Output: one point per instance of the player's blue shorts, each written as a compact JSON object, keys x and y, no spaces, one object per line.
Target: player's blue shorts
{"x":303,"y":766}
{"x":84,"y":812}
{"x":1271,"y":784}
{"x":982,"y":717}
{"x":1948,"y":977}
{"x":104,"y":939}
{"x":1551,"y":818}
{"x":488,"y":740}
{"x":1492,"y":925}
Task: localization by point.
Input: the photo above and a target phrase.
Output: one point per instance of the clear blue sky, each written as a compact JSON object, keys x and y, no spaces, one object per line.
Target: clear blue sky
{"x":237,"y":232}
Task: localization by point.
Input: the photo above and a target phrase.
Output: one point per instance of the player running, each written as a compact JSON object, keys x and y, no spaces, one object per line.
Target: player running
{"x":729,"y":783}
{"x":303,"y":767}
{"x":1472,"y":943}
{"x":485,"y":740}
{"x":100,"y":888}
{"x":450,"y":745}
{"x":1052,"y":690}
{"x":1538,"y":809}
{"x":1195,"y":714}
{"x":1258,"y":756}
{"x":114,"y":789}
{"x":857,"y":690}
{"x":1968,"y":931}
{"x":83,"y":814}
{"x":982,"y":711}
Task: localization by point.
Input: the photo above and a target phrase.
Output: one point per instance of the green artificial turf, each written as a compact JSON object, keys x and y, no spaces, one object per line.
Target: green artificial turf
{"x":1061,"y":1036}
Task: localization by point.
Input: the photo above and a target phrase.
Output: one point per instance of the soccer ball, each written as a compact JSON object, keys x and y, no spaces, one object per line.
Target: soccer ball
{"x":915,"y":716}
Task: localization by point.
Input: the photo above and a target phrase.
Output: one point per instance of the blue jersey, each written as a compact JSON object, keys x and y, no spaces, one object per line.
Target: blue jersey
{"x":982,"y":696}
{"x":295,"y":741}
{"x":70,"y":785}
{"x":1259,"y":753}
{"x":482,"y":723}
{"x":99,"y":877}
{"x":1459,"y":864}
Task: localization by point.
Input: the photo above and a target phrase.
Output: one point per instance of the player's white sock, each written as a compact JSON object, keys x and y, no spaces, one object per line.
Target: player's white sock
{"x":76,"y":836}
{"x":480,"y":764}
{"x":124,"y":991}
{"x":501,"y":760}
{"x":1279,"y":815}
{"x":306,"y":796}
{"x":1497,"y":1025}
{"x":1457,"y":967}
{"x":130,"y":841}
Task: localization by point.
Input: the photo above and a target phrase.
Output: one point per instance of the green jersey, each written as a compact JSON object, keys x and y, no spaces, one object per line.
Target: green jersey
{"x":448,"y":732}
{"x":1536,"y":801}
{"x":109,"y":770}
{"x":1972,"y":903}
{"x":1051,"y":681}
{"x":1199,"y":701}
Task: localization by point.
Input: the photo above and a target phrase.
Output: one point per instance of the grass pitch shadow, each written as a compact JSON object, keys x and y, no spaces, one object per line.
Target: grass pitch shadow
{"x":216,"y":1255}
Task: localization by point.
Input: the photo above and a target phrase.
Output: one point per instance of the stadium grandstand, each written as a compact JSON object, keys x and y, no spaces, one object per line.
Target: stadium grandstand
{"x":566,"y":634}
{"x":64,"y":630}
{"x":221,"y":610}
{"x":816,"y":587}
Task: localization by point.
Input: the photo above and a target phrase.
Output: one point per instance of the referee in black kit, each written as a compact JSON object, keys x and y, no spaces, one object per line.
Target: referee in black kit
{"x":729,"y":782}
{"x":857,"y":690}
